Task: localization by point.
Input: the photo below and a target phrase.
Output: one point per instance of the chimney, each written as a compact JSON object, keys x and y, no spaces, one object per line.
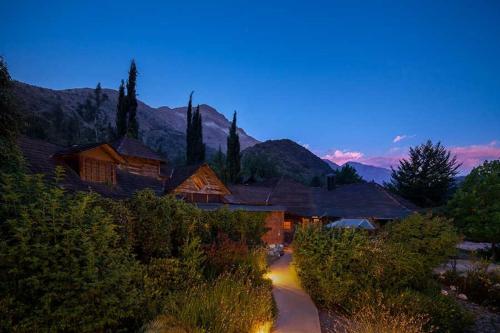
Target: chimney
{"x":330,"y":182}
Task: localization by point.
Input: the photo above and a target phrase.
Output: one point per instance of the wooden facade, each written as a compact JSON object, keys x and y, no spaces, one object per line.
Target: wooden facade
{"x":141,"y":166}
{"x":203,"y":186}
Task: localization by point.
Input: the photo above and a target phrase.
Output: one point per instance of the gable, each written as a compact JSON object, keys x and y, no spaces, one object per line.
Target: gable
{"x":202,"y":181}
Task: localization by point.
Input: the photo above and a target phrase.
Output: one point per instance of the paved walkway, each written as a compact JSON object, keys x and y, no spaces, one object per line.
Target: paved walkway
{"x":297,"y":312}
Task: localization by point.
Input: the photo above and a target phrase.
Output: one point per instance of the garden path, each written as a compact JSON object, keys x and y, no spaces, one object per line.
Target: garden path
{"x":296,"y":311}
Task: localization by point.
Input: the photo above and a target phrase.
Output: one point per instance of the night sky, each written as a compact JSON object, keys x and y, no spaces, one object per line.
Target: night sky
{"x":349,"y":80}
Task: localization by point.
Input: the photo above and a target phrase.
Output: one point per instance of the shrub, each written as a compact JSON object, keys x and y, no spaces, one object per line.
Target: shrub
{"x":230,"y":304}
{"x":377,"y":317}
{"x":61,"y":264}
{"x":432,"y":238}
{"x":352,"y":269}
{"x":444,"y":314}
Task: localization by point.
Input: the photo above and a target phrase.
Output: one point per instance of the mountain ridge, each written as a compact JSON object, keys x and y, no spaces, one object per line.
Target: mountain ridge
{"x":163,"y":128}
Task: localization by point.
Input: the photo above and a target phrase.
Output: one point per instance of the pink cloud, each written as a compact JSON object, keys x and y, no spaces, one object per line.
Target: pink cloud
{"x":342,"y":156}
{"x":470,"y":156}
{"x":474,"y":155}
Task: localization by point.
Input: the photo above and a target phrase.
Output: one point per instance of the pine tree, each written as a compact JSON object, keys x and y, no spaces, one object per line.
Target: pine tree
{"x":347,"y":175}
{"x":121,"y":112}
{"x":189,"y":131}
{"x":426,"y":177}
{"x":133,"y":125}
{"x":233,"y":152}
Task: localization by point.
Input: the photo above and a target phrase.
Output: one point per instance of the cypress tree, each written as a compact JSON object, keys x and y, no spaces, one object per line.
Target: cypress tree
{"x":200,"y":146}
{"x":121,"y":112}
{"x":133,"y":125}
{"x":233,"y":152}
{"x":189,"y":131}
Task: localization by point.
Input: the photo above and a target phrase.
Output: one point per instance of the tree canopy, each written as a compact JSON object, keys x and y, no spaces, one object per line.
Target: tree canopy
{"x":121,"y":112}
{"x":195,"y":148}
{"x":475,"y":207}
{"x":131,"y":102}
{"x":233,"y":152}
{"x":347,"y":175}
{"x":426,"y":177}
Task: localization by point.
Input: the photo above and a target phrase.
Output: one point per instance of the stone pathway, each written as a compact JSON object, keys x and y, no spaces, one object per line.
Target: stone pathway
{"x":296,"y":311}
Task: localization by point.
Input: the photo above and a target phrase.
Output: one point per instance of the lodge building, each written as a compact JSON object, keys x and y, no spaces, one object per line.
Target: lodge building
{"x":119,"y":169}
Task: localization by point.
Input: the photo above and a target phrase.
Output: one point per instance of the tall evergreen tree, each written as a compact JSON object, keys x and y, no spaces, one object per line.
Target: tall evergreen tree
{"x":189,"y":131}
{"x":10,"y":121}
{"x":426,"y":177}
{"x":99,"y":119}
{"x":121,"y":112}
{"x":133,"y":125}
{"x":218,"y":164}
{"x":198,"y":146}
{"x":233,"y":152}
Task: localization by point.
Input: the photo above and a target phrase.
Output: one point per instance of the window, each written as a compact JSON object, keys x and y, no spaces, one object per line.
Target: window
{"x":287,"y":225}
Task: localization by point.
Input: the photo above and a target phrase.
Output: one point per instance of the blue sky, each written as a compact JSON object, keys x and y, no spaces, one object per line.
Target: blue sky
{"x":344,"y":78}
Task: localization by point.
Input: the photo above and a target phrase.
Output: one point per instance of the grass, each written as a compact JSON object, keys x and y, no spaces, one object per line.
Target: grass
{"x":230,"y":304}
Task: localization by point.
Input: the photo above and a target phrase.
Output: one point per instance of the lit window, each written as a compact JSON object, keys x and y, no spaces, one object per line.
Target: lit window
{"x":287,"y":225}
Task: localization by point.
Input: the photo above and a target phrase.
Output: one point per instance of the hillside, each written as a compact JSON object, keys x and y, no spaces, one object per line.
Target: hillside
{"x":288,"y":159}
{"x":367,"y":172}
{"x":56,"y":116}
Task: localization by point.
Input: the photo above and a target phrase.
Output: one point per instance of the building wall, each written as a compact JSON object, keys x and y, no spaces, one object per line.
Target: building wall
{"x":274,"y":222}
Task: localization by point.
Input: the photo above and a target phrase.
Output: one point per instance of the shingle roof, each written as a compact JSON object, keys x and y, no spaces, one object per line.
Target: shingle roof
{"x":178,"y":175}
{"x":41,"y":157}
{"x":135,"y":148}
{"x":365,"y":200}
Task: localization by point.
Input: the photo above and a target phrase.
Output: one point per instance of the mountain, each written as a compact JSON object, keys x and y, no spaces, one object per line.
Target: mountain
{"x":371,"y":173}
{"x":286,"y":158}
{"x":332,"y":165}
{"x":59,"y":116}
{"x":367,"y":172}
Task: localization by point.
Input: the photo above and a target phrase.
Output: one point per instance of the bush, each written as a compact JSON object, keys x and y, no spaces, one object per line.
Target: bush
{"x":230,"y":304}
{"x":351,"y":269}
{"x":377,"y":317}
{"x":432,"y":238}
{"x":61,"y":264}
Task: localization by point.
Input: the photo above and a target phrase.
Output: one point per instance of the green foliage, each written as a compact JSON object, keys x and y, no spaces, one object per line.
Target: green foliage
{"x":475,"y":207}
{"x":62,"y":266}
{"x":68,"y":261}
{"x":91,"y":111}
{"x":315,"y":182}
{"x":131,"y":102}
{"x":233,"y":152}
{"x":9,"y":116}
{"x":432,"y":238}
{"x":230,"y":304}
{"x":160,"y":225}
{"x":195,"y":148}
{"x":445,"y":314}
{"x":351,"y":268}
{"x":426,"y":177}
{"x":257,"y":167}
{"x":10,"y":119}
{"x":347,"y":175}
{"x":218,"y":164}
{"x":121,"y":112}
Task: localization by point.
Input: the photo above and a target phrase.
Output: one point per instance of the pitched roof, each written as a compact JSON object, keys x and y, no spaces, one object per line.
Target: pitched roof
{"x":365,"y":200}
{"x":179,"y":175}
{"x":135,"y":148}
{"x":42,"y":157}
{"x":75,"y":149}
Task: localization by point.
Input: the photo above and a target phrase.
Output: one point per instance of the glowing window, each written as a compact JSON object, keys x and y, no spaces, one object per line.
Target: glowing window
{"x":287,"y":225}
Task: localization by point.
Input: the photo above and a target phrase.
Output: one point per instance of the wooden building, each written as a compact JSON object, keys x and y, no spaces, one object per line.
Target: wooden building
{"x":196,"y":184}
{"x":93,"y":163}
{"x":139,"y":159}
